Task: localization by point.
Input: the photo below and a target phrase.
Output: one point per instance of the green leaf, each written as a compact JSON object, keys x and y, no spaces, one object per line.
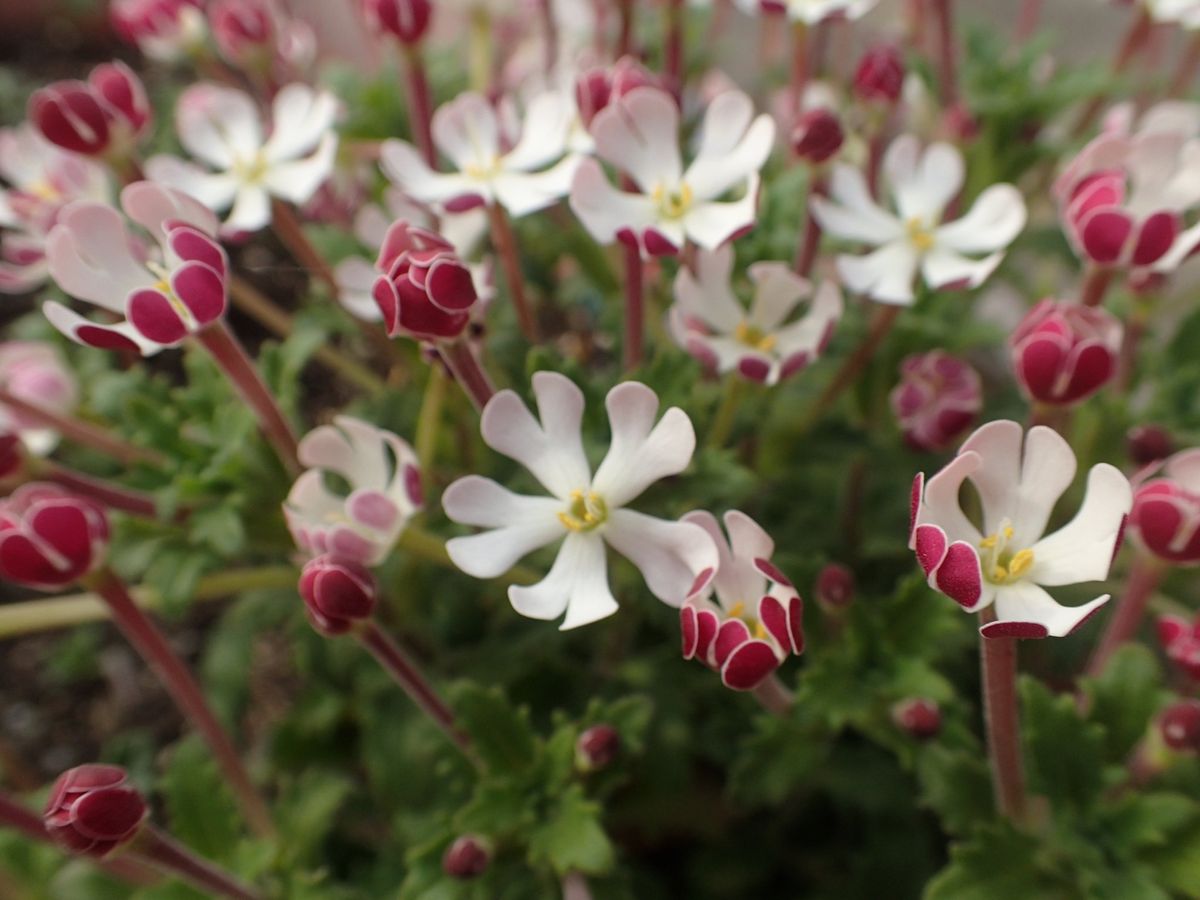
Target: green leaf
{"x":998,"y":863}
{"x":1125,"y":697}
{"x":308,"y":810}
{"x":1139,"y":821}
{"x":1177,"y":863}
{"x":496,"y":809}
{"x":571,"y":837}
{"x":1064,"y":754}
{"x":500,"y":733}
{"x":219,"y":528}
{"x":201,"y":810}
{"x":957,"y":785}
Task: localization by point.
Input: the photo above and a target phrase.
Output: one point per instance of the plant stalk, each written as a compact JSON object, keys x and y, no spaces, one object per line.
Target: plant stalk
{"x":420,"y":110}
{"x":1145,"y":576}
{"x":462,"y":362}
{"x":810,"y":240}
{"x":673,"y":50}
{"x":635,"y":306}
{"x":801,"y":65}
{"x":998,"y":665}
{"x":81,"y":432}
{"x":505,"y":244}
{"x":290,"y":232}
{"x":114,"y":496}
{"x":947,"y":63}
{"x":774,"y":697}
{"x":1096,"y":283}
{"x":163,"y":851}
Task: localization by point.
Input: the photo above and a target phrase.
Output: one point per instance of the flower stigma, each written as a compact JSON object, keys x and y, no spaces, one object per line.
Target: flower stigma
{"x":587,"y":511}
{"x":673,"y":204}
{"x":738,"y":611}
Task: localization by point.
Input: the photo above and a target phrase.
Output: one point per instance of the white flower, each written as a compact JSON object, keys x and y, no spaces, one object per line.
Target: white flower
{"x":222,"y":128}
{"x":356,"y":274}
{"x":808,"y":11}
{"x":37,"y":372}
{"x":584,"y":511}
{"x":638,"y":133}
{"x":914,"y":237}
{"x":1183,"y":12}
{"x":530,"y":176}
{"x":385,"y":491}
{"x":41,"y":179}
{"x":709,"y":322}
{"x":1009,"y":560}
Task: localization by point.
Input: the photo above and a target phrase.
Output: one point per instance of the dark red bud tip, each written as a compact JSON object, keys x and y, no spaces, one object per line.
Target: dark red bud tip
{"x":918,"y":716}
{"x":93,"y":810}
{"x":468,"y":857}
{"x":880,"y":75}
{"x":835,"y":586}
{"x":818,"y":136}
{"x":12,"y":455}
{"x":406,"y":20}
{"x":1148,"y":443}
{"x":337,"y":594}
{"x":597,"y":748}
{"x":1180,"y":725}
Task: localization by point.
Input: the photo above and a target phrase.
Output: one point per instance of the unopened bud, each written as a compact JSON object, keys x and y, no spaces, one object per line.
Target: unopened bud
{"x":468,"y":857}
{"x":835,"y":586}
{"x":597,"y":748}
{"x":919,"y":716}
{"x":1180,"y":725}
{"x":93,"y":810}
{"x":818,"y":136}
{"x":1148,"y":443}
{"x":880,"y":75}
{"x":337,"y":594}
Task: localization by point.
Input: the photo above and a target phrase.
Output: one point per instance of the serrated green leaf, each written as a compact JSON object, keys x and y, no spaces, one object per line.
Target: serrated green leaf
{"x":1064,"y":754}
{"x":571,"y":837}
{"x":201,"y":810}
{"x":500,"y":733}
{"x":1125,"y":698}
{"x":998,"y":863}
{"x":957,"y":785}
{"x":307,"y":811}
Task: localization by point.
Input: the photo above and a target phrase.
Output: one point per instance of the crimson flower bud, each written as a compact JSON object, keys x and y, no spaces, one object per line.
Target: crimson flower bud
{"x":100,"y":117}
{"x":12,"y":456}
{"x":596,"y":88}
{"x":467,"y":857}
{"x":93,"y":810}
{"x":835,"y":586}
{"x":818,"y":136}
{"x":1180,"y":640}
{"x":597,"y":748}
{"x":879,"y":77}
{"x":919,"y":716}
{"x":244,"y":31}
{"x":49,"y":538}
{"x":937,"y":399}
{"x":1180,"y":725}
{"x":337,"y":594}
{"x":123,"y":94}
{"x":1165,"y":518}
{"x":425,"y":290}
{"x":1063,"y":353}
{"x":406,"y":20}
{"x":1147,"y":443}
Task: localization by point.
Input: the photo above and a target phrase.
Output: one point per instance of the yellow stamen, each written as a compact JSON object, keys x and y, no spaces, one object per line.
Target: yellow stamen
{"x":919,"y":235}
{"x":1000,"y":564}
{"x":587,"y":511}
{"x":759,"y":631}
{"x":483,"y":172}
{"x":44,"y":190}
{"x":738,"y":610}
{"x":1021,"y":563}
{"x":673,"y":204}
{"x":250,"y":171}
{"x":752,"y":336}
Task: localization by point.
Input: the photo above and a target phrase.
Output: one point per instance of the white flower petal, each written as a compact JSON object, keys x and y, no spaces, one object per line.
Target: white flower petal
{"x":577,"y":583}
{"x":670,"y":555}
{"x":604,"y":210}
{"x":1082,"y":550}
{"x":885,"y":274}
{"x":90,"y":256}
{"x":639,"y":135}
{"x":711,"y":224}
{"x":150,"y":205}
{"x":521,"y":193}
{"x":543,"y":133}
{"x":923,"y":187}
{"x":1026,"y":602}
{"x":940,"y":504}
{"x":552,"y":449}
{"x":851,"y":213}
{"x":298,"y":180}
{"x":641,"y":452}
{"x":993,"y":222}
{"x":301,"y":118}
{"x":706,"y":295}
{"x":217,"y":192}
{"x":942,"y":267}
{"x":519,"y":525}
{"x":251,"y":211}
{"x":716,"y":171}
{"x":807,"y":334}
{"x":68,"y":322}
{"x":356,"y":277}
{"x":777,"y":290}
{"x":402,"y":164}
{"x":218,"y":125}
{"x":466,"y":131}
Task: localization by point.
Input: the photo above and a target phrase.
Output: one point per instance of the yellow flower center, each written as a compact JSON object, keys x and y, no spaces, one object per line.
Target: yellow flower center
{"x":738,"y":611}
{"x":44,"y":190}
{"x":586,"y":512}
{"x":250,"y":171}
{"x":483,"y":172}
{"x":673,"y":204}
{"x":1000,"y":563}
{"x":753,"y":336}
{"x":920,"y":235}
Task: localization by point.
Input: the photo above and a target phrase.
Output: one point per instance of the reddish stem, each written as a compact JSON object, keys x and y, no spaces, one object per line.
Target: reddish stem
{"x":420,"y":110}
{"x":800,"y":68}
{"x":409,"y":677}
{"x":575,"y":887}
{"x":624,"y":29}
{"x":232,"y":359}
{"x":460,"y":359}
{"x":81,"y":432}
{"x":1185,"y":73}
{"x":943,"y":14}
{"x":1096,"y":284}
{"x":773,"y":696}
{"x":635,"y":305}
{"x":291,"y":234}
{"x":1144,"y":579}
{"x":998,"y":665}
{"x":673,"y":51}
{"x":153,"y":647}
{"x":505,"y":245}
{"x":111,"y":495}
{"x":810,"y":241}
{"x":550,"y":35}
{"x":1135,"y":39}
{"x":1027,"y":19}
{"x":166,"y":853}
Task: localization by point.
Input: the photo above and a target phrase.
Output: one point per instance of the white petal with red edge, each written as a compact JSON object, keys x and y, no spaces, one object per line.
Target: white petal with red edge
{"x":604,"y":210}
{"x":1026,"y":602}
{"x":522,"y":193}
{"x":1082,"y":550}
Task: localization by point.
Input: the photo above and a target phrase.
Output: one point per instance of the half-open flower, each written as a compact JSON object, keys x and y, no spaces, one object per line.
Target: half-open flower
{"x":164,"y":293}
{"x":382,"y":473}
{"x":1062,"y":352}
{"x":49,"y":538}
{"x":585,"y":511}
{"x":337,"y":594}
{"x":711,"y":201}
{"x":756,"y":620}
{"x":41,"y":179}
{"x":93,"y":810}
{"x":1007,"y":560}
{"x":1166,"y":510}
{"x":36,"y":372}
{"x":809,"y":12}
{"x":937,"y":399}
{"x":424,"y":290}
{"x":760,"y":344}
{"x":912,"y":236}
{"x":165,"y":30}
{"x":222,"y":128}
{"x":103,"y":116}
{"x":524,"y":176}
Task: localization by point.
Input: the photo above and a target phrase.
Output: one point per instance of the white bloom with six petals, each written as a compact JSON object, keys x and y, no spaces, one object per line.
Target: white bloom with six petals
{"x":914,"y":237}
{"x":1009,"y":561}
{"x":222,"y":128}
{"x":585,"y":511}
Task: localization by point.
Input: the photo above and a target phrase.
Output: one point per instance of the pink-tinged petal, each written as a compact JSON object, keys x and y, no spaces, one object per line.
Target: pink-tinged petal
{"x":1025,"y":630}
{"x":639,"y":135}
{"x":201,"y":289}
{"x":153,"y":315}
{"x":795,"y":613}
{"x":931,"y":545}
{"x":154,"y":205}
{"x":748,"y":666}
{"x":413,"y":487}
{"x":387,"y":298}
{"x":1171,"y":628}
{"x":658,"y":244}
{"x":373,"y":509}
{"x":25,"y":562}
{"x":1026,"y":602}
{"x":352,"y":546}
{"x":754,"y":368}
{"x":689,"y":630}
{"x":771,"y":571}
{"x":731,"y":634}
{"x":702,"y":582}
{"x":1092,"y":365}
{"x":1156,"y":237}
{"x":1105,"y":234}
{"x":959,"y":576}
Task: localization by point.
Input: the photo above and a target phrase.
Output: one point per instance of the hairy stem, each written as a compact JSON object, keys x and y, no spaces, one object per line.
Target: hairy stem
{"x":1096,"y":283}
{"x":810,"y":240}
{"x":163,"y":851}
{"x":773,"y":696}
{"x":998,"y":666}
{"x":81,"y":432}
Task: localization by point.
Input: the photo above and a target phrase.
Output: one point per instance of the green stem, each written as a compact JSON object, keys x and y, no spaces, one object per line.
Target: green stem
{"x":726,"y":414}
{"x":429,"y":419}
